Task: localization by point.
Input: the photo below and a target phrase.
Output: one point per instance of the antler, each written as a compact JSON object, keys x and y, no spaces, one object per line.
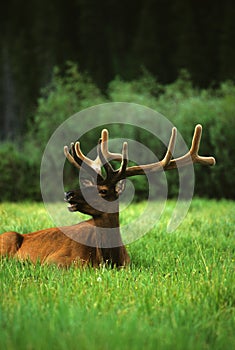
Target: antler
{"x":167,"y":163}
{"x":78,"y":159}
{"x":192,"y":156}
{"x":93,"y":167}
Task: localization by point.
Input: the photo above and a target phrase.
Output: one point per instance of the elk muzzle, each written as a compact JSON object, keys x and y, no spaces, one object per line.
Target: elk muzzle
{"x":74,"y":200}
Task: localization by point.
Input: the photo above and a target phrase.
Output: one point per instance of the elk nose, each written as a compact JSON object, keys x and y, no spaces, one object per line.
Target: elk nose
{"x":68,"y":195}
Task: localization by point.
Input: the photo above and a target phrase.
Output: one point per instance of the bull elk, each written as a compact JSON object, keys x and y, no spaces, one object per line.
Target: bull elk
{"x":100,"y":235}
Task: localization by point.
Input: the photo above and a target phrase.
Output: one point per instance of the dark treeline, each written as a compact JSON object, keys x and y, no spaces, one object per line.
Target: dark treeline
{"x":108,"y":38}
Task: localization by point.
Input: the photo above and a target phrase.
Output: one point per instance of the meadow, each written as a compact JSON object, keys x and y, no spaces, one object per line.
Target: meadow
{"x":178,"y":292}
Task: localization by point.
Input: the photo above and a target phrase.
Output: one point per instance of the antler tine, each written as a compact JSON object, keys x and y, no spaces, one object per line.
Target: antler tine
{"x":195,"y":147}
{"x":122,"y":170}
{"x":171,"y":146}
{"x":107,"y":166}
{"x":104,"y":147}
{"x":196,"y":140}
{"x":70,"y":157}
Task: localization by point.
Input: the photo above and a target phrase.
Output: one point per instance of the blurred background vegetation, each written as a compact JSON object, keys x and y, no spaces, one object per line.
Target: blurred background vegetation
{"x":59,"y":57}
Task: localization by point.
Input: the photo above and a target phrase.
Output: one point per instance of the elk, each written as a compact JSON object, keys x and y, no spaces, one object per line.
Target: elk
{"x":98,"y":240}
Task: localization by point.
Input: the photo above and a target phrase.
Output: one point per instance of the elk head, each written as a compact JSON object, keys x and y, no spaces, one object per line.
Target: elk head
{"x":101,"y":194}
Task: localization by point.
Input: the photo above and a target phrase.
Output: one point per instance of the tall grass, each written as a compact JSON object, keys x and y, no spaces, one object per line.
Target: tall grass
{"x":178,"y":293}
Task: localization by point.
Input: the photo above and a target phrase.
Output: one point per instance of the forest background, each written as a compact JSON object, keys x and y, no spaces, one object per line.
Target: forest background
{"x":59,"y":57}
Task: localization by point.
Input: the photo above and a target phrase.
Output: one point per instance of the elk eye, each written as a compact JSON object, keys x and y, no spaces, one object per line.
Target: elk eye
{"x":103,"y":191}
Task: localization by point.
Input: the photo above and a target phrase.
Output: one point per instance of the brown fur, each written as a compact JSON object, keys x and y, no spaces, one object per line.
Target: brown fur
{"x":53,"y":246}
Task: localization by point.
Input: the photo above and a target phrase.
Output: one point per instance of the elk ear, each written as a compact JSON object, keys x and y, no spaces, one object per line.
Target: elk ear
{"x":120,"y":186}
{"x":86,"y":183}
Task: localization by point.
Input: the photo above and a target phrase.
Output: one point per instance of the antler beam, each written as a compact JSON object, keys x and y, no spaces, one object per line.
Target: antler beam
{"x":168,"y":163}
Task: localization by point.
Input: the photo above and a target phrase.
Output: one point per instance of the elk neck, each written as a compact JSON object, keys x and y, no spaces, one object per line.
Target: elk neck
{"x":108,"y":234}
{"x":107,"y":220}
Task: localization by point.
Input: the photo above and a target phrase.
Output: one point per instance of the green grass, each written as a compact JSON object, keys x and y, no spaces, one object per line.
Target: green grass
{"x":178,"y":293}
